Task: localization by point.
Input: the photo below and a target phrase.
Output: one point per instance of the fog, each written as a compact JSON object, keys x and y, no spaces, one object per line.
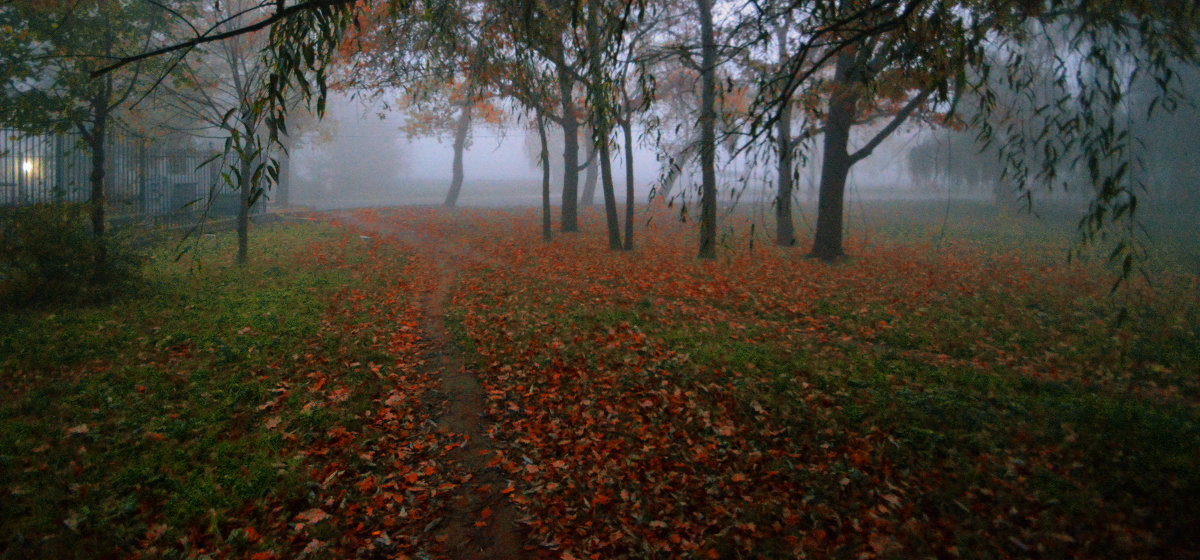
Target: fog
{"x":360,"y":155}
{"x":355,"y":158}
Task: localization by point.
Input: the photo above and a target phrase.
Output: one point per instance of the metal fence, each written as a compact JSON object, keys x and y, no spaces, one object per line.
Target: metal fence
{"x":142,"y":179}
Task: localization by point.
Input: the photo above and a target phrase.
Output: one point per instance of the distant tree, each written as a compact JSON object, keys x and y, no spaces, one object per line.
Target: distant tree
{"x":440,"y":54}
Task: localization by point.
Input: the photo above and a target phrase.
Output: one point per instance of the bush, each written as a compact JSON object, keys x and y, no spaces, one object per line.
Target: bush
{"x":48,"y":255}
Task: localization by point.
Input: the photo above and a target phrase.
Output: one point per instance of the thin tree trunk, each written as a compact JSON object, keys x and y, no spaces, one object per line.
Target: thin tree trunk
{"x":283,"y":191}
{"x":601,"y":119}
{"x":460,"y":145}
{"x":570,"y":196}
{"x":545,"y":160}
{"x":98,"y":200}
{"x":610,"y":197}
{"x":243,"y":217}
{"x":708,"y":136}
{"x":245,"y":189}
{"x":843,"y":103}
{"x":588,"y":198}
{"x":285,"y":177}
{"x":627,"y":127}
{"x":101,"y":105}
{"x":785,"y":231}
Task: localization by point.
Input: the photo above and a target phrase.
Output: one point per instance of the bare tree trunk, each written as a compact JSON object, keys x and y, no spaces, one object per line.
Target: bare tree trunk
{"x":785,"y":231}
{"x":285,"y":172}
{"x":98,"y":200}
{"x":708,"y":136}
{"x":601,"y":127}
{"x":610,"y":197}
{"x":835,"y":168}
{"x":245,"y":188}
{"x":545,"y":160}
{"x":243,"y":217}
{"x":627,"y":128}
{"x":460,"y":145}
{"x":570,"y":197}
{"x":588,"y":198}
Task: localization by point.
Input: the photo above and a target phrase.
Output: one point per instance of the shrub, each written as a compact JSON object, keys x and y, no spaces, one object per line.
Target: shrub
{"x":48,"y":255}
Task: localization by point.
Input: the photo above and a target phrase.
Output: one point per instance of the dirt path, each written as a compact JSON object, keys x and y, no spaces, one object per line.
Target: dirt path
{"x":481,"y":523}
{"x":480,"y":501}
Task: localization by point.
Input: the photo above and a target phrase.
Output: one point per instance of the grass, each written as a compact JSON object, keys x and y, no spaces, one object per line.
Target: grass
{"x":987,"y":384}
{"x":963,"y":395}
{"x":150,"y":425}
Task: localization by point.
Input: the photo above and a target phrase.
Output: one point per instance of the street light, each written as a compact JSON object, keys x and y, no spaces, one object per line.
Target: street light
{"x":27,"y":166}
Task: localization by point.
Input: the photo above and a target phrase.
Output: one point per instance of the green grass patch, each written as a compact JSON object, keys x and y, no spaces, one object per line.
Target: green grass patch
{"x":151,"y":423}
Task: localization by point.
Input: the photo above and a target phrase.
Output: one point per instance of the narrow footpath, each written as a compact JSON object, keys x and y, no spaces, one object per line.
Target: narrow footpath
{"x":482,"y":522}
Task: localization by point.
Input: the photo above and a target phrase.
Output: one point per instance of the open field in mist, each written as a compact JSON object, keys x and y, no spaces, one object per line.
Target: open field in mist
{"x":952,"y":388}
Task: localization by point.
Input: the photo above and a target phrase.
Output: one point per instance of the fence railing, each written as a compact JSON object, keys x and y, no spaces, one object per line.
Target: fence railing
{"x":143,"y":179}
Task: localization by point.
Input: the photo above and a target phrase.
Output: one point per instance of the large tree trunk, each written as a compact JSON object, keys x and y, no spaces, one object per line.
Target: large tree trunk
{"x":545,"y":160}
{"x":785,"y":231}
{"x":460,"y":145}
{"x":588,"y":198}
{"x":708,"y":136}
{"x":570,"y":196}
{"x":843,"y":103}
{"x":627,"y":128}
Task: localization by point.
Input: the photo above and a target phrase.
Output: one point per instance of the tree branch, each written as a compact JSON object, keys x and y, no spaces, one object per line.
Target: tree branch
{"x":280,"y":14}
{"x":891,"y":127}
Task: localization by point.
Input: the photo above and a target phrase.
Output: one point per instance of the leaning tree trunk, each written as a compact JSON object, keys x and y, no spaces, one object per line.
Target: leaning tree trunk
{"x":785,"y":230}
{"x":570,"y":196}
{"x":460,"y":145}
{"x":843,"y":102}
{"x":708,"y":136}
{"x":588,"y":197}
{"x":545,"y":160}
{"x":627,"y":128}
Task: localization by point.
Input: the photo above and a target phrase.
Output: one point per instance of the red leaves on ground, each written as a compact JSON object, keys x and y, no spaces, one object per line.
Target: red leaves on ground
{"x":620,"y":445}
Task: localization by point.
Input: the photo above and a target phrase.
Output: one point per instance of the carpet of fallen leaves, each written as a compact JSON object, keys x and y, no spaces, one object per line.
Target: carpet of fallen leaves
{"x":960,"y":400}
{"x":385,"y":489}
{"x":905,"y":402}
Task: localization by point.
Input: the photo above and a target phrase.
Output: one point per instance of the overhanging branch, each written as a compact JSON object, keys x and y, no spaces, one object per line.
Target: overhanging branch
{"x":280,"y":14}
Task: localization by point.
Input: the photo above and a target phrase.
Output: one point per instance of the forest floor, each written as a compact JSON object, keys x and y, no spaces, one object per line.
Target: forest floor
{"x":422,"y":383}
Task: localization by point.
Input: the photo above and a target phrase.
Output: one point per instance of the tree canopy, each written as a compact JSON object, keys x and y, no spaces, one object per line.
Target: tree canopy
{"x":880,"y":61}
